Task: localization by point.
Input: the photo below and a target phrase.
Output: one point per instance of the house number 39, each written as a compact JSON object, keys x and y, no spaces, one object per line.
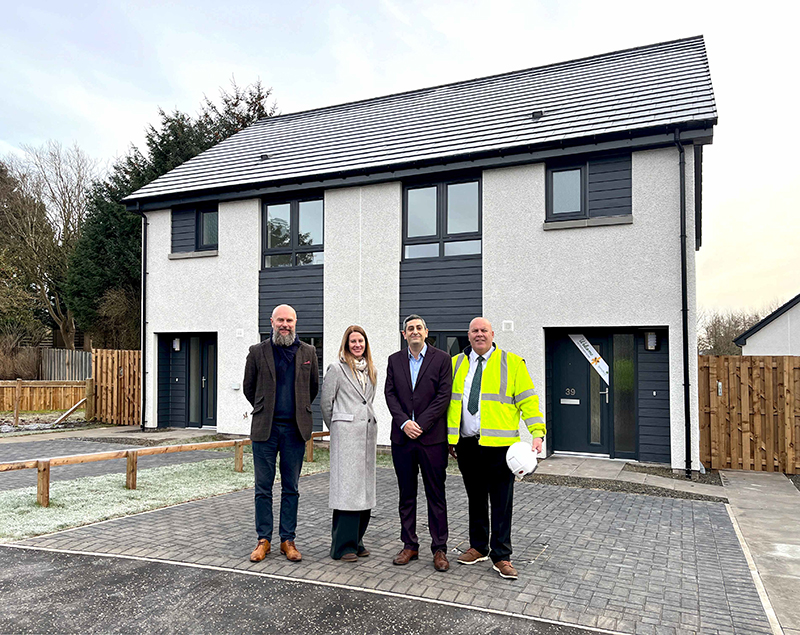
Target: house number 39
{"x":569,"y":391}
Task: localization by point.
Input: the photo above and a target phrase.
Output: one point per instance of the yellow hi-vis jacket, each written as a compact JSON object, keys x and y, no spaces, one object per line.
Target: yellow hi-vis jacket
{"x":507,"y":393}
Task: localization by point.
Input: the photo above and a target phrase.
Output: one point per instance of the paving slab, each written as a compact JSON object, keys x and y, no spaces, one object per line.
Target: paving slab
{"x":767,"y":509}
{"x":624,"y":562}
{"x":65,"y":447}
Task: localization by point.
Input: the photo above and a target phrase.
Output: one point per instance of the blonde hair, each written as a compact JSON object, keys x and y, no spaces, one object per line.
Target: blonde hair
{"x":346,"y":356}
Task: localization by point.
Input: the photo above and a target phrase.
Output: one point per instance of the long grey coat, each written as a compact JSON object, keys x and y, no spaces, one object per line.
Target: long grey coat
{"x":348,"y":413}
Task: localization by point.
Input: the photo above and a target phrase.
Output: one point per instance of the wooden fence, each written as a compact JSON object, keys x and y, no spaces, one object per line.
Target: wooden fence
{"x":750,"y":413}
{"x":40,"y":395}
{"x":58,"y":364}
{"x":117,"y":386}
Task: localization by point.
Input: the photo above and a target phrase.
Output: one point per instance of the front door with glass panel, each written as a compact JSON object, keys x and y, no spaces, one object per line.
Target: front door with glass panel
{"x":580,"y":399}
{"x":202,"y":361}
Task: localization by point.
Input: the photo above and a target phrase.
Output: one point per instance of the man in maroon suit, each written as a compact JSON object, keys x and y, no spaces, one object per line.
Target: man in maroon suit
{"x":418,"y":384}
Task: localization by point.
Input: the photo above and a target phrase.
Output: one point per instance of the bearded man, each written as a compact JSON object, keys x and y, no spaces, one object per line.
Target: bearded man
{"x":281,"y":379}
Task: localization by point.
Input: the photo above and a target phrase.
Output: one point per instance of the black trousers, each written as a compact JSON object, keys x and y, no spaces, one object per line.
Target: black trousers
{"x":347,"y":532}
{"x":487,"y":479}
{"x":409,"y":460}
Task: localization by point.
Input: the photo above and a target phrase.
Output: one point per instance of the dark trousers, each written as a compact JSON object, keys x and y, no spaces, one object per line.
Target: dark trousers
{"x":285,"y":440}
{"x":409,"y":460}
{"x":487,"y":479}
{"x":347,"y":532}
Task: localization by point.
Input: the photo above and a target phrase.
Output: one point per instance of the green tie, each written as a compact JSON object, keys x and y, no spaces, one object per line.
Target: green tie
{"x":475,"y":391}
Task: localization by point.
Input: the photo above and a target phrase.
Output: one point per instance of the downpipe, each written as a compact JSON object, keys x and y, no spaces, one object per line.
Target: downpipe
{"x":685,"y":309}
{"x":143,"y":327}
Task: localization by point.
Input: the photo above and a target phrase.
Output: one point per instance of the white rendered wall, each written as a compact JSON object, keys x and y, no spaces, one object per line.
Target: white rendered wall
{"x":217,"y":294}
{"x":362,"y":275}
{"x":779,"y":337}
{"x":610,"y":276}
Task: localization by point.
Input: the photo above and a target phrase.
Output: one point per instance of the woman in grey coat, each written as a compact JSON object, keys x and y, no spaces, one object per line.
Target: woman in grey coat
{"x":347,"y":393}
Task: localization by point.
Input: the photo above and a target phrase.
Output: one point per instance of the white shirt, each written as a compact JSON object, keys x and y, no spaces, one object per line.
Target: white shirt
{"x":471,"y":423}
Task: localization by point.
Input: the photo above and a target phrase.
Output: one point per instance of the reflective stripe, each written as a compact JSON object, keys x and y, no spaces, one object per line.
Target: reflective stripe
{"x":524,"y":395}
{"x":488,"y":396}
{"x":452,"y":431}
{"x":459,"y":360}
{"x":456,"y":396}
{"x":499,"y":433}
{"x":503,"y":373}
{"x":531,"y":420}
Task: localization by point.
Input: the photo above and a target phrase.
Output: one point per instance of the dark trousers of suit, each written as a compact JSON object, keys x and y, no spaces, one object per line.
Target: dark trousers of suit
{"x":285,"y":440}
{"x":487,"y":479}
{"x":347,"y":531}
{"x":409,"y":460}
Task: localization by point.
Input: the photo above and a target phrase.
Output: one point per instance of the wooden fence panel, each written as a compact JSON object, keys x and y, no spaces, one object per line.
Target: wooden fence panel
{"x":117,"y":386}
{"x":41,"y":395}
{"x":59,"y":364}
{"x":750,"y":412}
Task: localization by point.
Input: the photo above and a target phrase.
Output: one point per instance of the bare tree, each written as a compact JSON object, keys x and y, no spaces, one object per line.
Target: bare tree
{"x":41,"y":214}
{"x":717,"y":329}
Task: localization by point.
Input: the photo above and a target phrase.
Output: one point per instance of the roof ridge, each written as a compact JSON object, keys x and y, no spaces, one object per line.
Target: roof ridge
{"x":597,"y":56}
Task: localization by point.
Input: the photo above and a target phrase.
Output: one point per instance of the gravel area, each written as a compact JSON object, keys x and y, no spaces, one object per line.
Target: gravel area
{"x":711,"y":477}
{"x":619,"y":486}
{"x":44,"y":422}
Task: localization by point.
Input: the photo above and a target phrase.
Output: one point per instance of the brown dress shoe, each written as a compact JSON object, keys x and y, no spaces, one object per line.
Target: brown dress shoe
{"x":440,"y":562}
{"x":405,"y":556}
{"x":505,"y":569}
{"x":261,"y":551}
{"x":290,"y":551}
{"x":349,"y":557}
{"x":471,"y":556}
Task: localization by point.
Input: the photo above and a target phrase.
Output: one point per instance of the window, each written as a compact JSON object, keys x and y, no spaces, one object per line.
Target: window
{"x":442,"y":219}
{"x":195,"y":229}
{"x":293,"y":233}
{"x":589,"y":188}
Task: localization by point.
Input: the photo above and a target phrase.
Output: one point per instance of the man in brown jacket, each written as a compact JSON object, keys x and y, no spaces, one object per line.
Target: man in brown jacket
{"x":281,"y":379}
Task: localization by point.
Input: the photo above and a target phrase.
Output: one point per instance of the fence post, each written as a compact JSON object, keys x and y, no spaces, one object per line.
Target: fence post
{"x":43,"y":483}
{"x":17,"y":398}
{"x":130,"y":473}
{"x":310,"y":450}
{"x":89,"y":399}
{"x":238,"y":461}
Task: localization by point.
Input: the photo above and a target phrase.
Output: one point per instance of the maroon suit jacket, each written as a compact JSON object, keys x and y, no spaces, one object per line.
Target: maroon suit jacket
{"x":428,"y":400}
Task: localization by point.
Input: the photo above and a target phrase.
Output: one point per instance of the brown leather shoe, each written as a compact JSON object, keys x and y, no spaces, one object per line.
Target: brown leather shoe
{"x":440,"y":562}
{"x":290,"y":551}
{"x":363,"y":553}
{"x":471,"y":556}
{"x":261,"y":550}
{"x":349,"y":557}
{"x":505,"y":569}
{"x":405,"y":556}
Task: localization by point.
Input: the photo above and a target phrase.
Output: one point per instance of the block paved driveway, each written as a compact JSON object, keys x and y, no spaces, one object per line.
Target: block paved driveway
{"x":65,"y":447}
{"x":609,"y":560}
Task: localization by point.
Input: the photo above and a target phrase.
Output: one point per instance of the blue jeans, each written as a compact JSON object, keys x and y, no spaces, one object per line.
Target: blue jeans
{"x":284,"y":439}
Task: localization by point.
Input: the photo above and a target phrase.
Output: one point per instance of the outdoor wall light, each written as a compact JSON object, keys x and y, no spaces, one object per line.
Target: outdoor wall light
{"x":650,"y":341}
{"x":176,"y":344}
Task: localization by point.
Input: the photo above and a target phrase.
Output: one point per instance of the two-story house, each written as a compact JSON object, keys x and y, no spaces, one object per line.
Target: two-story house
{"x":561,"y":202}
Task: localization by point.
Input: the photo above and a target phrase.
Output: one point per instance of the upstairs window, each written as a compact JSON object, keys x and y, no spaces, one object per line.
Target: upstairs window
{"x":442,"y":219}
{"x":195,"y":229}
{"x":293,"y":233}
{"x":589,"y":188}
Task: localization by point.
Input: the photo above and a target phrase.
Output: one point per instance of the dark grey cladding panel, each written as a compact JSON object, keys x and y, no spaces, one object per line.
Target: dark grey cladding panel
{"x":609,"y":187}
{"x":446,"y":292}
{"x":656,"y":87}
{"x":183,"y":231}
{"x":172,"y":396}
{"x":301,"y":287}
{"x":652,"y":375}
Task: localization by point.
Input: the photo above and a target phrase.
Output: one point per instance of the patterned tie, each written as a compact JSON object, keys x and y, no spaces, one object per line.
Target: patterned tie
{"x":475,"y":391}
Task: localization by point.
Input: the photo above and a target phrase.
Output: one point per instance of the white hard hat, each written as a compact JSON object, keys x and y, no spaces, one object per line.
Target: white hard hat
{"x":521,"y":458}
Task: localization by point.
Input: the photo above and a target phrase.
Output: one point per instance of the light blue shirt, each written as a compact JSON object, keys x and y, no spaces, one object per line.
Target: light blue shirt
{"x":414,"y":364}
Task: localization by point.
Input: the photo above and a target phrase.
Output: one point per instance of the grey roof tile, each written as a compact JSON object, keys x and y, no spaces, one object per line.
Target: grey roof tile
{"x":665,"y":84}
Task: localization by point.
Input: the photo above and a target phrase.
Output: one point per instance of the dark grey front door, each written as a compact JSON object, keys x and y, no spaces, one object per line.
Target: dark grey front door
{"x":580,"y":399}
{"x":202,"y":380}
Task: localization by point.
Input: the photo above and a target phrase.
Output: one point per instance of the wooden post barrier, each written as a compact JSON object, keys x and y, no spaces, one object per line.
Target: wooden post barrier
{"x":130,"y":472}
{"x":238,"y":457}
{"x":43,"y":483}
{"x":310,"y":444}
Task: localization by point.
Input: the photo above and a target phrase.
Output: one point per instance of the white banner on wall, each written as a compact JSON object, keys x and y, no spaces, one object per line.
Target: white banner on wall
{"x":597,"y":362}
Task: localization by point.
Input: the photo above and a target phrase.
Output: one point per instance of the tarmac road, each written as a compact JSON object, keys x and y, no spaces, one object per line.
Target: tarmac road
{"x":56,"y":592}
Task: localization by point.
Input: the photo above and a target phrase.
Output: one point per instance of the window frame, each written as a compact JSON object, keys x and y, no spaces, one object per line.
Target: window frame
{"x":442,"y":237}
{"x":198,"y":228}
{"x":294,"y":248}
{"x":583,"y":166}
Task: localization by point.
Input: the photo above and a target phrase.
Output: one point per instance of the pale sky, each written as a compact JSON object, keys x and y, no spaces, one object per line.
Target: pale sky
{"x":95,"y":72}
